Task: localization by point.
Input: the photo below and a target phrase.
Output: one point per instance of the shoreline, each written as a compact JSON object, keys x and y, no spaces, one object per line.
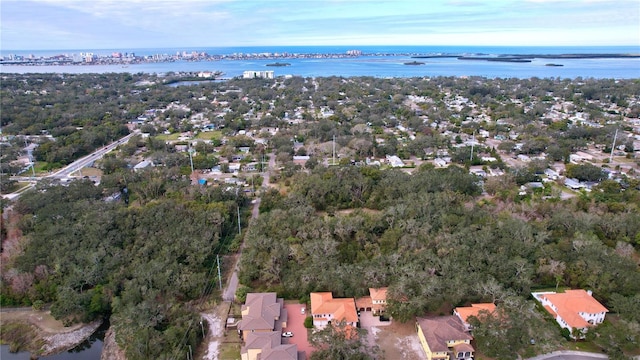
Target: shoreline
{"x":125,"y":62}
{"x":58,"y":343}
{"x":45,"y":336}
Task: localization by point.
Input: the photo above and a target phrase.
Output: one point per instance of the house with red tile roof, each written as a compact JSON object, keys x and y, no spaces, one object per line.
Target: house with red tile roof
{"x":376,"y":302}
{"x":464,"y":313}
{"x":325,"y":309}
{"x":378,"y":299}
{"x":444,"y":338}
{"x":573,"y":309}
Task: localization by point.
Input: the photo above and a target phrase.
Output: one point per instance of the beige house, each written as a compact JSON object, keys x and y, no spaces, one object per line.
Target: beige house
{"x":444,"y":338}
{"x":263,"y":317}
{"x":262,"y":312}
{"x":267,"y":346}
{"x":376,"y":302}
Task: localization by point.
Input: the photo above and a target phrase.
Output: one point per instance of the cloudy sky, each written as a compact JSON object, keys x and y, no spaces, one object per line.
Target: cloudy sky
{"x":122,"y":24}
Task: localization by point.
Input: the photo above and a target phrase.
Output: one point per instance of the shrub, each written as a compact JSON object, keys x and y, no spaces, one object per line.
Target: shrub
{"x":308,"y":322}
{"x":38,"y":305}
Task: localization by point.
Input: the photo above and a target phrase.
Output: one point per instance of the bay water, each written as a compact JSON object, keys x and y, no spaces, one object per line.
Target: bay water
{"x":376,"y":61}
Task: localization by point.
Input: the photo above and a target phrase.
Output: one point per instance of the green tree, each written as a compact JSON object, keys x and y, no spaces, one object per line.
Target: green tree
{"x":340,"y":341}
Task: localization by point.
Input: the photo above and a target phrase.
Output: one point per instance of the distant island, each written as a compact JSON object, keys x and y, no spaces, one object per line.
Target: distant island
{"x":523,"y":58}
{"x":551,"y":64}
{"x":278,"y":64}
{"x":414,"y":63}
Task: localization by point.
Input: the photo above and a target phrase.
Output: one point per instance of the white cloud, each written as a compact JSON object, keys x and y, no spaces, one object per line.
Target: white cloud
{"x":147,"y":23}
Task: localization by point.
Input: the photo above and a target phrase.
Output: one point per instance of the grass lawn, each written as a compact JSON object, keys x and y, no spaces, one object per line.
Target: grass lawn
{"x":587,"y":346}
{"x":17,"y":186}
{"x":164,"y":137}
{"x":87,"y":171}
{"x":41,"y":166}
{"x":209,"y":135}
{"x":230,"y":350}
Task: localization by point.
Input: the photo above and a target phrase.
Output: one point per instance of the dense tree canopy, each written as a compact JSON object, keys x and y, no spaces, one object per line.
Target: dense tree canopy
{"x":141,"y":265}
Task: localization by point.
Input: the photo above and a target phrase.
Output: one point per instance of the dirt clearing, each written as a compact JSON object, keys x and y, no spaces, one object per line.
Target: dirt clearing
{"x":399,"y":341}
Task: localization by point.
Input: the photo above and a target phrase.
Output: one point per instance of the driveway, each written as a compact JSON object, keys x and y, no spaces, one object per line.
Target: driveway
{"x":295,"y":324}
{"x":569,"y":355}
{"x":371,"y":324}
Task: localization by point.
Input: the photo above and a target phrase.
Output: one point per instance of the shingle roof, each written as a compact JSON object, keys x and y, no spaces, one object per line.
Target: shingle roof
{"x":262,"y":340}
{"x":260,"y":312}
{"x":280,"y":352}
{"x":270,"y":343}
{"x":438,"y":330}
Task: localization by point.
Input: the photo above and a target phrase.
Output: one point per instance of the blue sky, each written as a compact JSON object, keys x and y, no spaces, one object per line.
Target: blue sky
{"x":122,"y":24}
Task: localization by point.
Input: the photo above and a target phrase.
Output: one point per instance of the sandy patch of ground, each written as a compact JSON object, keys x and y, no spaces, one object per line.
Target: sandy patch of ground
{"x":399,"y":341}
{"x":372,"y":335}
{"x":41,"y":319}
{"x":410,"y":348}
{"x":216,"y":318}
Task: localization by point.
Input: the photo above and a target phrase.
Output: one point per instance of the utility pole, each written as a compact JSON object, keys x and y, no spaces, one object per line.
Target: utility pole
{"x":333,"y":161}
{"x":202,"y":326}
{"x":473,"y":140}
{"x":613,"y":146}
{"x":239,"y":229}
{"x":191,"y":158}
{"x":219,"y":279}
{"x":30,"y":153}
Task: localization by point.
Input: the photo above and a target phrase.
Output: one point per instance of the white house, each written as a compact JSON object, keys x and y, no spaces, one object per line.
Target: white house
{"x":325,"y":309}
{"x":573,"y":309}
{"x":395,"y":161}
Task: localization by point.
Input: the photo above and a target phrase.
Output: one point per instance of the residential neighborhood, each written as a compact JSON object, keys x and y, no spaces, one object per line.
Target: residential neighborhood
{"x":265,"y":324}
{"x":293,"y":217}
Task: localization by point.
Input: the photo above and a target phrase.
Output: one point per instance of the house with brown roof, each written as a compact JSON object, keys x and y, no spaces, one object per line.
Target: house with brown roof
{"x":573,"y":309}
{"x":267,"y":346}
{"x":325,"y":309}
{"x":464,"y":313}
{"x":262,"y":312}
{"x":444,"y":338}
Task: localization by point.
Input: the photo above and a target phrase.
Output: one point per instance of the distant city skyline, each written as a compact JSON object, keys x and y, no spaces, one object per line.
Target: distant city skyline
{"x":119,"y":24}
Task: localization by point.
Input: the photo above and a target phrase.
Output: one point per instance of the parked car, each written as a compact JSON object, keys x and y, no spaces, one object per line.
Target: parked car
{"x":302,"y":311}
{"x":287,"y":334}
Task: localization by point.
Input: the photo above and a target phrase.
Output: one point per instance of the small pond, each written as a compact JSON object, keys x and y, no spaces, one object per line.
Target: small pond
{"x":90,"y":349}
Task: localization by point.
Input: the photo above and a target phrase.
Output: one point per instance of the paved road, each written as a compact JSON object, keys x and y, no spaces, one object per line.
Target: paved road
{"x":569,"y":355}
{"x":80,"y":163}
{"x":229,"y":292}
{"x":67,"y":170}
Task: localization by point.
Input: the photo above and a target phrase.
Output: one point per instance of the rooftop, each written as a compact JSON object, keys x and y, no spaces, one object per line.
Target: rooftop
{"x":439,"y":330}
